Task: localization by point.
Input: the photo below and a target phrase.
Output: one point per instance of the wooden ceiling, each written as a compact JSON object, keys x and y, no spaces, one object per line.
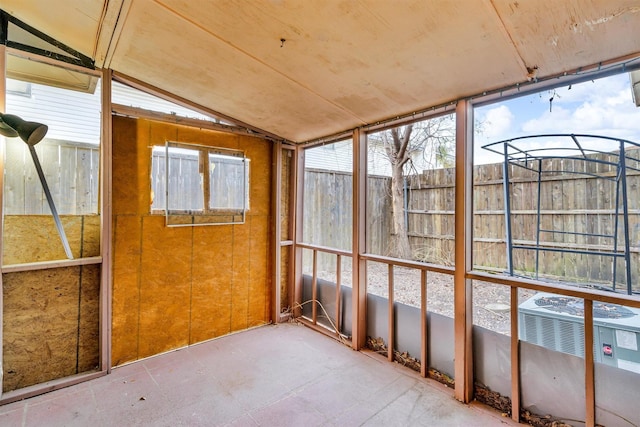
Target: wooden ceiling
{"x":304,"y":69}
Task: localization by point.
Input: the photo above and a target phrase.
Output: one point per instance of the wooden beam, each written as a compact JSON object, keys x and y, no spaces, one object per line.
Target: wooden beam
{"x":515,"y":357}
{"x":314,"y":289}
{"x":589,"y":369}
{"x":557,"y":288}
{"x":3,"y":106}
{"x":43,"y":265}
{"x":128,"y":111}
{"x":359,"y":265}
{"x":106,"y":221}
{"x":391,"y":341}
{"x":34,"y":390}
{"x":424,"y":337}
{"x":297,"y":205}
{"x":463,"y":303}
{"x":276,"y":231}
{"x":291,"y":232}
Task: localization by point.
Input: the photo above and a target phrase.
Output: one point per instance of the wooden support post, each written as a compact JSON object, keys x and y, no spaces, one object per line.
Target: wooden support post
{"x":391,"y":341}
{"x":424,"y":368}
{"x":589,"y":370}
{"x":338,"y":293}
{"x":314,"y":289}
{"x":106,"y":156}
{"x":3,"y":91}
{"x":276,"y":227}
{"x":297,"y":202}
{"x":515,"y":357}
{"x":291,"y":231}
{"x":463,"y":322}
{"x":359,"y":265}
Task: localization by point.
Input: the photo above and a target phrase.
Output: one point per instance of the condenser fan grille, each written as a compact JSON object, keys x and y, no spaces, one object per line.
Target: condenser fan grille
{"x":575,"y":307}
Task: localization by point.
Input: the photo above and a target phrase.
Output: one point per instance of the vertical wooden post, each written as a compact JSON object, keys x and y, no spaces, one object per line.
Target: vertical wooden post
{"x":291,"y":231}
{"x":589,"y":370}
{"x":338,"y":294}
{"x":463,"y":321}
{"x":314,"y":289}
{"x":297,"y":202}
{"x":424,"y":367}
{"x":106,"y":155}
{"x":391,"y":340}
{"x":276,"y":206}
{"x":359,"y":266}
{"x":515,"y":357}
{"x":3,"y":106}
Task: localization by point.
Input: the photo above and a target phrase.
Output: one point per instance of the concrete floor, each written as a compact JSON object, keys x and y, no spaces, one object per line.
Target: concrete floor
{"x":284,"y":375}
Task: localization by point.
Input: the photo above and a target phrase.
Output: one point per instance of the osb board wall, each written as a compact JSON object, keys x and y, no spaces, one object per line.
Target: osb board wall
{"x":175,"y":286}
{"x":32,"y":238}
{"x":50,"y":324}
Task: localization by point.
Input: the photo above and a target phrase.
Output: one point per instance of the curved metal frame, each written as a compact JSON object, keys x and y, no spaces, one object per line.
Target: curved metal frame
{"x":515,"y":154}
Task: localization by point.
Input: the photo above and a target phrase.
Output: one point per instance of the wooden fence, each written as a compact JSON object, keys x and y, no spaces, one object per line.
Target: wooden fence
{"x":570,"y":203}
{"x":578,"y":209}
{"x":327,"y":218}
{"x":71,"y":171}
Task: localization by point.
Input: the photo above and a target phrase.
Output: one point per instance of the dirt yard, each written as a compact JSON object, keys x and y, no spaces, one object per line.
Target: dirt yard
{"x":490,"y":301}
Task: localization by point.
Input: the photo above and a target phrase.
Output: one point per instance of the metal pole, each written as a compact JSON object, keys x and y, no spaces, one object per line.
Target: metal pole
{"x":406,"y":204}
{"x":52,"y":206}
{"x":625,"y":213}
{"x":538,"y":217}
{"x":616,"y":222}
{"x":507,"y":211}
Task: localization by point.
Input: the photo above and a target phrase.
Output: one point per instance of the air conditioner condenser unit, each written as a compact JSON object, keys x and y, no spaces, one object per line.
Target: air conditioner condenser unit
{"x":557,"y":322}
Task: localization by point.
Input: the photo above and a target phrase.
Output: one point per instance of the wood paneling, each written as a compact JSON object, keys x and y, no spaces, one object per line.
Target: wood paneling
{"x":175,"y":286}
{"x":126,"y":288}
{"x":43,"y":243}
{"x":50,"y":324}
{"x":165,"y":286}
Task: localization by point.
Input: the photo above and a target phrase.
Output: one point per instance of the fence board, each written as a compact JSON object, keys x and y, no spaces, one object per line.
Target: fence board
{"x":73,"y":182}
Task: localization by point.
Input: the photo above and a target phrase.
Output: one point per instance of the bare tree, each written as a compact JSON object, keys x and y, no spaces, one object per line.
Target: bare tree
{"x":410,"y":149}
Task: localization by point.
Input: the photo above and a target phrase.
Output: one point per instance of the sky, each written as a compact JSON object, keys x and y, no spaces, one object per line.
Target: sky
{"x":602,"y":107}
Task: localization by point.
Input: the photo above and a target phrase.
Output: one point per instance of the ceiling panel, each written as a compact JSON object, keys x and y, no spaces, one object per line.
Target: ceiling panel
{"x":200,"y":67}
{"x":371,"y":59}
{"x":344,"y":63}
{"x":559,"y":36}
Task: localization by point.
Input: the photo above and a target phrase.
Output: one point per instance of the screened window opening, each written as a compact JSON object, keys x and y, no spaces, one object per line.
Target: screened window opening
{"x":198,"y":185}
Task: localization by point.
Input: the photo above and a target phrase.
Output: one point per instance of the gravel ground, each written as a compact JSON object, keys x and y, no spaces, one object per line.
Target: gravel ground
{"x":490,"y":301}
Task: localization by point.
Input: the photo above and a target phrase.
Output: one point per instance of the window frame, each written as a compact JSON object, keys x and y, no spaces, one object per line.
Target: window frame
{"x":208,"y":215}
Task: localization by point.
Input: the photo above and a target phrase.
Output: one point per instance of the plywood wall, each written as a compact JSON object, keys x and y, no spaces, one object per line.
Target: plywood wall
{"x":50,"y":324}
{"x":34,"y":238}
{"x":175,"y":286}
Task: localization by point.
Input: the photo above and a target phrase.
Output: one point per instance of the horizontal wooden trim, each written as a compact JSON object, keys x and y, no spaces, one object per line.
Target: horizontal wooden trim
{"x":324,"y":249}
{"x":433,"y":236}
{"x":560,"y":289}
{"x":408,"y":263}
{"x":43,"y":265}
{"x":318,"y":327}
{"x":141,"y":113}
{"x":34,"y":390}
